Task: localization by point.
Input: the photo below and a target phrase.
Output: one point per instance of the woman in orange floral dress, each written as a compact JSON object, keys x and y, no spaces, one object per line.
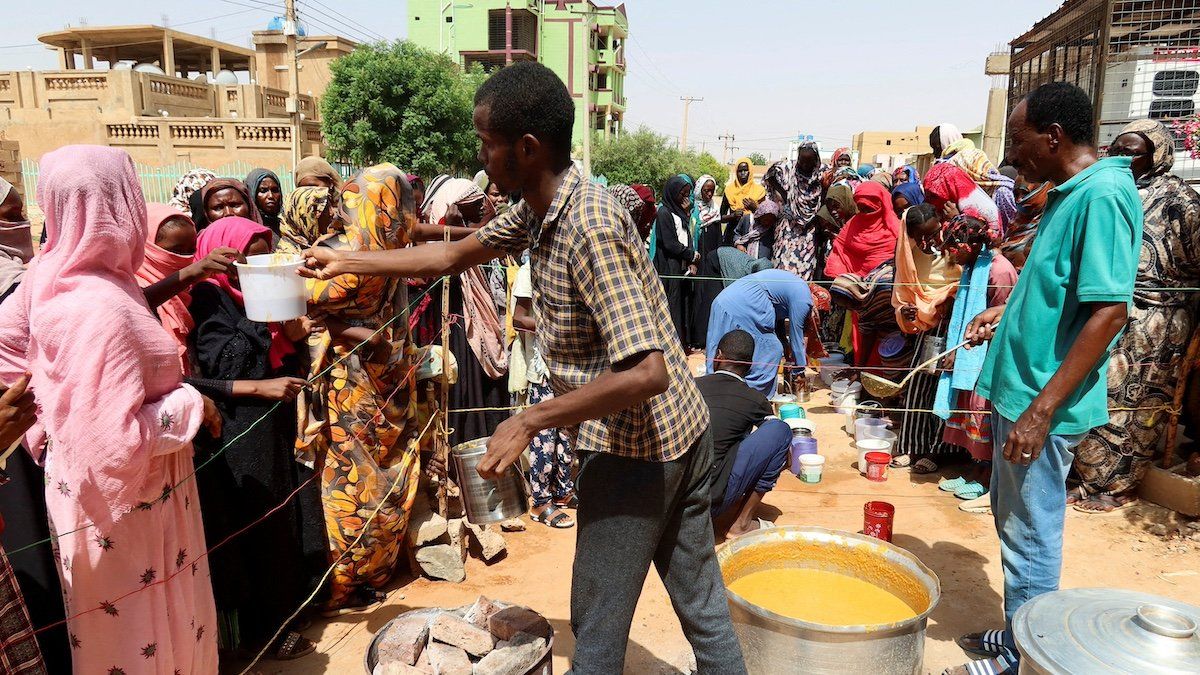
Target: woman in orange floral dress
{"x":362,"y":421}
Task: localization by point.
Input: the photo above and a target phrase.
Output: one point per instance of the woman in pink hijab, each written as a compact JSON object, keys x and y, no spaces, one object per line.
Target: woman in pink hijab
{"x":170,"y":244}
{"x":114,"y":428}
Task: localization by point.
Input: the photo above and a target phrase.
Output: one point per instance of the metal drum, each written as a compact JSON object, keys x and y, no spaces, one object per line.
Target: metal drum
{"x":777,"y":644}
{"x":1103,"y":631}
{"x":487,"y":501}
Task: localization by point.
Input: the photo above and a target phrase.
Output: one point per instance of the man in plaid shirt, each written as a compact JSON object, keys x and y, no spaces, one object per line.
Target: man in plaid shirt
{"x":619,"y":375}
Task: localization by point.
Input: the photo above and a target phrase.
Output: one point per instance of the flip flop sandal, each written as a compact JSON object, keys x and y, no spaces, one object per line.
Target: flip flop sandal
{"x":970,"y":490}
{"x":553,"y":517}
{"x":571,"y":502}
{"x":765,"y":524}
{"x":951,"y":484}
{"x":294,"y":646}
{"x":991,"y":643}
{"x":924,"y":465}
{"x":901,"y":461}
{"x":993,"y":666}
{"x":981,"y":504}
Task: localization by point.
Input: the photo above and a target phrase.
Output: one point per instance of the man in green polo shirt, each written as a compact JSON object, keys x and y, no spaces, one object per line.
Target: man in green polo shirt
{"x":1045,"y":369}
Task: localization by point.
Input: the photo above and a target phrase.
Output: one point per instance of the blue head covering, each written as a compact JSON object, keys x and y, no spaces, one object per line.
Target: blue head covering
{"x":910,"y":191}
{"x":865,"y":171}
{"x":913,"y":176}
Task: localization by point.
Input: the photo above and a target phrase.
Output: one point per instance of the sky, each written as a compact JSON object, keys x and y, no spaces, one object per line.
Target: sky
{"x":767,"y":69}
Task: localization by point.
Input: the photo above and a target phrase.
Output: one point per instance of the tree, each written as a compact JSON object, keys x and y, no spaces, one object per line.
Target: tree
{"x":646,"y":157}
{"x":403,"y":104}
{"x":758,"y":159}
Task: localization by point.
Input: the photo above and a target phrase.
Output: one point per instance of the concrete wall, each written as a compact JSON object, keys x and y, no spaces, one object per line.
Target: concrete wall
{"x":209,"y":123}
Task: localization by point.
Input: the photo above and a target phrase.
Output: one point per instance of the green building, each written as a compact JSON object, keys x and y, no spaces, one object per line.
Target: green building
{"x":582,"y":42}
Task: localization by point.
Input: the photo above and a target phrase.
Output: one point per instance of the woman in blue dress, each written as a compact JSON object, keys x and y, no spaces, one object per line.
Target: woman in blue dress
{"x":759,"y":304}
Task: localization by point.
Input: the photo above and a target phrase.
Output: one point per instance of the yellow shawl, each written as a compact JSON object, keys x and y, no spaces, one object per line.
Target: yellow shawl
{"x":922,"y":281}
{"x":736,"y":192}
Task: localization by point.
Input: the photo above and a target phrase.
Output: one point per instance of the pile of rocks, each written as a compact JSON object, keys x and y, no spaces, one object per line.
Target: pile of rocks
{"x":438,"y":547}
{"x":487,"y":639}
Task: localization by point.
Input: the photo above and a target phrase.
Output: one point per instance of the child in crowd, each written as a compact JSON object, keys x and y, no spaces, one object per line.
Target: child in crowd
{"x":987,"y":280}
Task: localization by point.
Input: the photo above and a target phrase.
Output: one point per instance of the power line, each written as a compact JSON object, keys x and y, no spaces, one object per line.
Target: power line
{"x":349,"y":20}
{"x":309,"y":10}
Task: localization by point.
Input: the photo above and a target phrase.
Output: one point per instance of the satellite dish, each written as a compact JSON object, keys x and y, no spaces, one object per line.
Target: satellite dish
{"x":148,"y":68}
{"x":122,"y":65}
{"x":226,"y":77}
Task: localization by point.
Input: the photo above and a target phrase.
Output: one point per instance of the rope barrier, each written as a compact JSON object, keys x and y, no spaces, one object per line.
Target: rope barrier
{"x":890,"y":284}
{"x":325,"y":577}
{"x":264,"y":417}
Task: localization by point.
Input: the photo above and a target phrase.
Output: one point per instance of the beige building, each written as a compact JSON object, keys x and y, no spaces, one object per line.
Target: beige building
{"x":168,"y":97}
{"x":888,"y":149}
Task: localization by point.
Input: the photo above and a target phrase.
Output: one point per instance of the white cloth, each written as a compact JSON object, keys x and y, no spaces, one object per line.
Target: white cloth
{"x":526,"y":343}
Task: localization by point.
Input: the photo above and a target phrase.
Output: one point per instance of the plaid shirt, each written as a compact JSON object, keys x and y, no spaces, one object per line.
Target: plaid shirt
{"x":599,"y":302}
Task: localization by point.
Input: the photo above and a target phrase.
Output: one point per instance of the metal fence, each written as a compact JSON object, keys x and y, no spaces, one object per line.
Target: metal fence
{"x":158,"y":182}
{"x":1136,"y":59}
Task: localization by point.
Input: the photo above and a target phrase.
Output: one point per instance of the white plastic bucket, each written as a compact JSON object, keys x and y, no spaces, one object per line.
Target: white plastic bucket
{"x":272,"y":289}
{"x":870,"y":445}
{"x":811,"y":467}
{"x":840,"y":389}
{"x":870,"y":427}
{"x":830,"y":365}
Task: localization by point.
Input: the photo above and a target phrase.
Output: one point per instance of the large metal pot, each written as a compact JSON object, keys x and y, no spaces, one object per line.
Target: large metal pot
{"x":1102,"y":631}
{"x":487,"y":501}
{"x":777,"y":644}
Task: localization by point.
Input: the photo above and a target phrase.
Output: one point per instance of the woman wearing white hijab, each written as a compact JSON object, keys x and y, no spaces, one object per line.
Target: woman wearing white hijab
{"x":944,"y":137}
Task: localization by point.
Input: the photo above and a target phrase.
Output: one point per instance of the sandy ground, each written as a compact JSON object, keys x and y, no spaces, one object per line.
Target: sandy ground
{"x":1115,"y":551}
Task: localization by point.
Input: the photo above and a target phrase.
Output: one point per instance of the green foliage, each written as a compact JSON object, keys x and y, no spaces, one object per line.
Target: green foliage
{"x":758,"y":158}
{"x":403,"y":104}
{"x":646,"y":157}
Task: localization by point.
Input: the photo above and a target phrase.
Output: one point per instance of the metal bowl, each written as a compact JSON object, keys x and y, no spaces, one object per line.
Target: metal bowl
{"x":772,"y":643}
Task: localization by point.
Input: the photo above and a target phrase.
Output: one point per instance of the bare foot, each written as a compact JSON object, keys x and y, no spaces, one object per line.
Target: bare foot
{"x":735,"y":531}
{"x":1103,"y":503}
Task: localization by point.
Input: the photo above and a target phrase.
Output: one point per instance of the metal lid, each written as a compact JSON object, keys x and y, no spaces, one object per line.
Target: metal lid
{"x":1103,"y":630}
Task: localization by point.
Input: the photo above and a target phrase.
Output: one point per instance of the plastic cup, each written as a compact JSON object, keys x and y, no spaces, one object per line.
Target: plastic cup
{"x":271,"y":288}
{"x":877,"y":520}
{"x":811,"y":467}
{"x":791,"y":411}
{"x":877,"y":464}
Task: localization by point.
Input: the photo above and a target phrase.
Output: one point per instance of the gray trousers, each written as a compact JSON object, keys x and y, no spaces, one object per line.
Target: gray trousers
{"x":632,"y":513}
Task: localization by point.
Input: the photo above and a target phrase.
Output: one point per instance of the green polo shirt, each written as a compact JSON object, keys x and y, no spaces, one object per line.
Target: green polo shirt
{"x":1086,"y":251}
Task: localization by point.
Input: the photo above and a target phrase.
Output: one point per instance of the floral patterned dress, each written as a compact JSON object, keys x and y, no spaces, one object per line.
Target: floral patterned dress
{"x":363,"y":421}
{"x":1143,"y":370}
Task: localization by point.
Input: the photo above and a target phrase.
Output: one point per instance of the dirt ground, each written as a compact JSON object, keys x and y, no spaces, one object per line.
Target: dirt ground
{"x":1115,"y":551}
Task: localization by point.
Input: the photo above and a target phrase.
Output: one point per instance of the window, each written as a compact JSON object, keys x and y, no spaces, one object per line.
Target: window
{"x":889,"y":142}
{"x":602,"y":81}
{"x":1176,"y":83}
{"x":1171,"y":107}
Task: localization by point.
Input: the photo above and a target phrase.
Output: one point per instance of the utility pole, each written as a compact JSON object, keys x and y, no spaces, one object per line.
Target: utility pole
{"x":687,"y":104}
{"x":293,"y":102}
{"x":727,"y":138}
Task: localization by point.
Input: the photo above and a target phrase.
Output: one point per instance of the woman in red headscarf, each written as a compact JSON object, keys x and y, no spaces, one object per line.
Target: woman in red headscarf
{"x":869,"y":238}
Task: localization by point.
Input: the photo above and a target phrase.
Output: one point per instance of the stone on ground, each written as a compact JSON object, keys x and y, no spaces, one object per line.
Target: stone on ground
{"x":442,"y":561}
{"x":456,"y":529}
{"x":490,"y":542}
{"x":424,"y":526}
{"x":513,"y":525}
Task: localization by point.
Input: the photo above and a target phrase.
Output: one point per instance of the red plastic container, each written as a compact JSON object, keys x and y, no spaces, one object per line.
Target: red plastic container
{"x":877,"y":520}
{"x":877,"y":464}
